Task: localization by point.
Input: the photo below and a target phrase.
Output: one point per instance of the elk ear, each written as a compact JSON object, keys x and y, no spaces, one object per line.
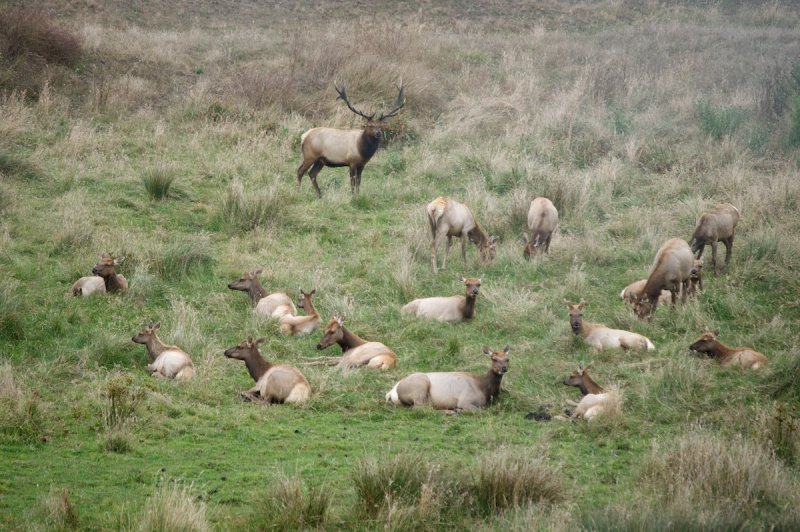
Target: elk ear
{"x":716,"y":332}
{"x":486,"y":351}
{"x":156,"y":326}
{"x":257,"y":273}
{"x":460,"y":278}
{"x":260,"y":341}
{"x":340,"y":320}
{"x":249,"y":340}
{"x":313,"y":291}
{"x":119,"y":261}
{"x":505,"y":349}
{"x":581,"y":305}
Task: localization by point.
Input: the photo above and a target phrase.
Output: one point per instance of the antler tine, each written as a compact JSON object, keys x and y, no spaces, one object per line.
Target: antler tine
{"x":399,"y":102}
{"x":343,"y":96}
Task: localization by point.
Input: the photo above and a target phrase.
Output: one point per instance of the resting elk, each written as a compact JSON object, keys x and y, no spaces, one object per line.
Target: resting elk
{"x":452,"y":309}
{"x":718,"y":225}
{"x":104,"y":278}
{"x":740,"y":356}
{"x":596,"y":400}
{"x":671,"y":269}
{"x":327,"y":146}
{"x":297,"y":325}
{"x":356,"y":352}
{"x":450,"y":218}
{"x":267,"y":305}
{"x":601,"y":337}
{"x":542,"y":221}
{"x":453,"y":391}
{"x":275,"y":383}
{"x":166,"y":361}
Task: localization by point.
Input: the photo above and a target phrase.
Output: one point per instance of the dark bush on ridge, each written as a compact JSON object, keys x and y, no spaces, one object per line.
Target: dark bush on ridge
{"x":32,"y":33}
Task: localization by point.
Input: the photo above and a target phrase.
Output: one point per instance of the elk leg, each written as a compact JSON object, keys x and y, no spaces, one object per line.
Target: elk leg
{"x":547,"y":245}
{"x":353,"y":187}
{"x":464,"y":248}
{"x":313,"y":175}
{"x":437,"y":241}
{"x":304,"y":166}
{"x":714,"y":256}
{"x":728,"y":250}
{"x":447,"y":251}
{"x":358,"y":179}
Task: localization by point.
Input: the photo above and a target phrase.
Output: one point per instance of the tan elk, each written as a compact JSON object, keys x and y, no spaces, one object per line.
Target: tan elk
{"x":695,"y":285}
{"x":327,"y":146}
{"x":449,"y":218}
{"x":718,"y":225}
{"x":356,"y":352}
{"x":542,"y":221}
{"x":297,"y":325}
{"x":452,"y":309}
{"x":596,"y":400}
{"x":453,"y":391}
{"x":104,"y":278}
{"x":601,"y":337}
{"x":671,"y":269}
{"x":166,"y":361}
{"x":740,"y":356}
{"x":275,"y":383}
{"x":276,"y":305}
{"x":634,"y":290}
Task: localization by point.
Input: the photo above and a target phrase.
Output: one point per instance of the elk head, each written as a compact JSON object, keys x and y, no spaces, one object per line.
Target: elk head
{"x":245,"y":282}
{"x":576,"y":315}
{"x":706,"y":342}
{"x":577,"y":378}
{"x":106,"y":266}
{"x":244,"y":349}
{"x":146,"y":334}
{"x":301,"y":302}
{"x":473,"y":285}
{"x":374,"y":126}
{"x":499,"y":359}
{"x":332,"y":333}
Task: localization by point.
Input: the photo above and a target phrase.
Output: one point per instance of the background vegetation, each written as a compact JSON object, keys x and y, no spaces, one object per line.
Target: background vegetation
{"x":170,"y":136}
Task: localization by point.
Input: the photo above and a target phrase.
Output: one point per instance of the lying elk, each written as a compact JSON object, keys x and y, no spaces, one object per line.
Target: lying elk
{"x":452,"y":309}
{"x":601,"y":337}
{"x":542,"y":221}
{"x":266,"y":305}
{"x":297,"y":325}
{"x":596,"y":400}
{"x":166,"y":361}
{"x":718,"y":225}
{"x":104,"y":278}
{"x":740,"y":356}
{"x":275,"y":383}
{"x":327,"y":146}
{"x":356,"y":352}
{"x":453,"y":391}
{"x":449,"y":218}
{"x":671,"y":269}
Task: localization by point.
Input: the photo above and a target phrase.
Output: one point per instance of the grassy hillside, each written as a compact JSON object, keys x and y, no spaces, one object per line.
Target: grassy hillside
{"x":633,"y":117}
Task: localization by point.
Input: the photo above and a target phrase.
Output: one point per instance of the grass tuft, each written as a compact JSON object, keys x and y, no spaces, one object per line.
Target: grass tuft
{"x":158,"y":181}
{"x":172,"y":508}
{"x":286,"y":504}
{"x":507,"y":480}
{"x":21,"y":418}
{"x":718,"y":123}
{"x":184,"y":257}
{"x":246,"y":211}
{"x":59,"y":511}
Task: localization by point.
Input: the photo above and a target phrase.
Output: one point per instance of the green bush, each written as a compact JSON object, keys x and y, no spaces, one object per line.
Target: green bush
{"x":718,"y":123}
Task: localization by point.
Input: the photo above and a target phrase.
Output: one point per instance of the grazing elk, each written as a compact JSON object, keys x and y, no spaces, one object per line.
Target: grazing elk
{"x":453,"y":391}
{"x":633,"y":290}
{"x":740,"y":356}
{"x":452,"y":309}
{"x":596,"y":400}
{"x":166,"y":361}
{"x":327,"y":146}
{"x":542,"y":221}
{"x":695,"y":285}
{"x":297,"y":325}
{"x":275,"y":383}
{"x":104,"y":278}
{"x":356,"y":352}
{"x":601,"y":337}
{"x":448,"y":218}
{"x":670,"y":271}
{"x":718,"y":225}
{"x":266,"y":305}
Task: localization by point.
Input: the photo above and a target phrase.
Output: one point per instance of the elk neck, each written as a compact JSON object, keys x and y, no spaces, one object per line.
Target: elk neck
{"x":256,"y":291}
{"x":490,"y":385}
{"x":256,"y":365}
{"x":112,"y":282}
{"x":468,"y":306}
{"x":478,"y":236}
{"x":368,"y":145}
{"x":589,"y":386}
{"x":155,"y":347}
{"x":349,"y":340}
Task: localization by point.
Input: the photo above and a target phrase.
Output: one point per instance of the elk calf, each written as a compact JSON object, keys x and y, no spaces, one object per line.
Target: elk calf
{"x":297,"y":325}
{"x":596,"y":400}
{"x":718,"y":225}
{"x":670,"y":271}
{"x":356,"y":352}
{"x":695,"y":285}
{"x":266,"y":305}
{"x":104,"y":278}
{"x":166,"y":361}
{"x":453,"y":391}
{"x":741,"y":356}
{"x":542,"y":221}
{"x":453,"y":309}
{"x":634,"y":290}
{"x":449,"y":218}
{"x":275,"y":383}
{"x":601,"y":337}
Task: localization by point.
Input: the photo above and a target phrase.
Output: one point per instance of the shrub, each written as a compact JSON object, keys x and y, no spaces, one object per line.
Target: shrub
{"x":287,"y":504}
{"x":718,"y":123}
{"x":33,"y":32}
{"x":158,"y":181}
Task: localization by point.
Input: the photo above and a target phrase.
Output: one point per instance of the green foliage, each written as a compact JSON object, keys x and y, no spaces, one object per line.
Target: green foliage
{"x":621,"y":121}
{"x":158,"y":181}
{"x":21,"y":418}
{"x":718,"y":123}
{"x":12,"y":312}
{"x":123,"y":399}
{"x":184,"y":257}
{"x":287,"y":504}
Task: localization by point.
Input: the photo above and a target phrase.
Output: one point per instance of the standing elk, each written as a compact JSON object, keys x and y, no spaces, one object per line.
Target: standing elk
{"x":601,"y":337}
{"x":452,"y":309}
{"x":266,"y":305}
{"x":671,"y":270}
{"x":453,"y":391}
{"x":334,"y":147}
{"x":450,"y":218}
{"x":297,"y":325}
{"x":275,"y":383}
{"x":542,"y":221}
{"x":356,"y":352}
{"x":726,"y":356}
{"x":718,"y":225}
{"x":104,"y":278}
{"x":166,"y":361}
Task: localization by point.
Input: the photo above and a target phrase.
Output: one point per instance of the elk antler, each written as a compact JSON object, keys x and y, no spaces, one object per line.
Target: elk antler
{"x":399,"y":102}
{"x":343,"y":97}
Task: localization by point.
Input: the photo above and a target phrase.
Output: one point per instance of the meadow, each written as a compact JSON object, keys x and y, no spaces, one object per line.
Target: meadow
{"x":171,"y":137}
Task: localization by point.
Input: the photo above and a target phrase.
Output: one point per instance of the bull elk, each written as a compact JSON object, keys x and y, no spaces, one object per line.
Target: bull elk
{"x":334,"y":147}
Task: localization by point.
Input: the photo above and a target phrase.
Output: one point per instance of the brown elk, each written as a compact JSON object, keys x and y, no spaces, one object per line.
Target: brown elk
{"x":327,"y":146}
{"x":453,"y":391}
{"x":452,"y":309}
{"x":596,"y":400}
{"x":297,"y":325}
{"x":450,"y":218}
{"x":670,"y":271}
{"x":542,"y":221}
{"x":601,"y":337}
{"x":718,"y":225}
{"x":276,"y":305}
{"x":356,"y":352}
{"x":740,"y":356}
{"x":104,"y":278}
{"x":166,"y":361}
{"x":275,"y":383}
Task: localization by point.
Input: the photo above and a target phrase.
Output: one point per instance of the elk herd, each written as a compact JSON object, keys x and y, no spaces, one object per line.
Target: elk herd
{"x":676,"y":274}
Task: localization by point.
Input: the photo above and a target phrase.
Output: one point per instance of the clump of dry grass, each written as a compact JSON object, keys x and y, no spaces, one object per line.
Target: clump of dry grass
{"x":21,"y":417}
{"x":75,"y":224}
{"x":59,"y":511}
{"x":286,"y":504}
{"x":247,"y":210}
{"x":172,"y":507}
